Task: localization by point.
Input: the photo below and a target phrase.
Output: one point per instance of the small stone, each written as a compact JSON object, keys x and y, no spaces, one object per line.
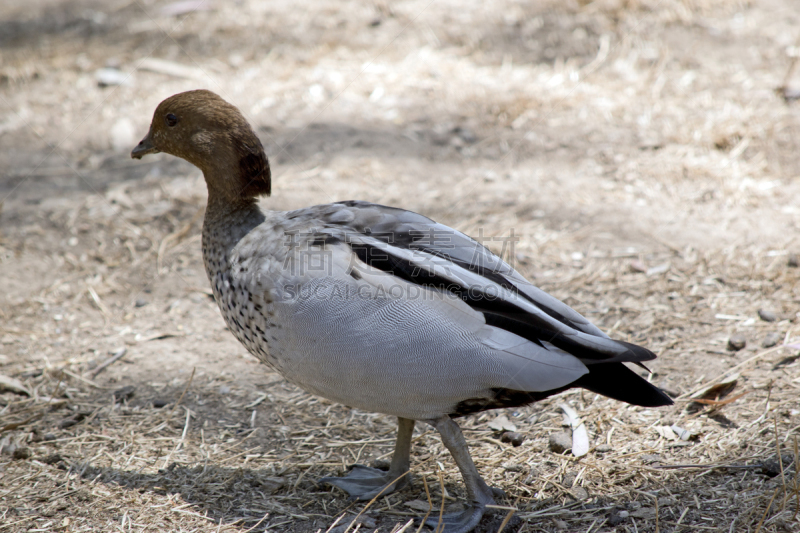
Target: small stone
{"x":141,"y":302}
{"x":772,"y":468}
{"x":644,"y":512}
{"x":772,"y":339}
{"x":224,"y":389}
{"x":560,"y":442}
{"x":48,"y":436}
{"x":51,"y":459}
{"x":736,"y":342}
{"x":580,"y":494}
{"x":793,"y":261}
{"x":560,"y":524}
{"x":603,"y":448}
{"x":634,"y":506}
{"x":650,"y":458}
{"x":109,"y":76}
{"x":533,"y":475}
{"x":512,"y":467}
{"x":569,"y":479}
{"x":125,"y":393}
{"x":381,"y":464}
{"x":512,"y":437}
{"x":617,"y":517}
{"x":22,"y":453}
{"x":158,"y":403}
{"x":122,"y":134}
{"x":766,"y":315}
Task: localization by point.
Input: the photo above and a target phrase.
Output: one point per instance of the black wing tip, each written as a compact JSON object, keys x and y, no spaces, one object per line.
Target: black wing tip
{"x":619,"y":382}
{"x":637,"y":353}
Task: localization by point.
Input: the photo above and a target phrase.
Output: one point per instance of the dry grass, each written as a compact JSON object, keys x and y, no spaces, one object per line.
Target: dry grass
{"x":646,"y":182}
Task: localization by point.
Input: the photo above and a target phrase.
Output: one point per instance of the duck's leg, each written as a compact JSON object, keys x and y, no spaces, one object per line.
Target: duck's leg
{"x":364,"y":483}
{"x":479,"y":493}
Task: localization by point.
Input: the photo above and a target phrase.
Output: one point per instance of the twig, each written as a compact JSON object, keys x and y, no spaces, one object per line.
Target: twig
{"x":430,"y":504}
{"x":796,"y":479}
{"x":108,"y":362}
{"x":727,"y":372}
{"x":760,"y":522}
{"x":334,"y":524}
{"x":257,"y":523}
{"x":183,"y":393}
{"x":87,"y":381}
{"x":780,"y":461}
{"x":15,"y":425}
{"x":439,"y":525}
{"x":375,"y":498}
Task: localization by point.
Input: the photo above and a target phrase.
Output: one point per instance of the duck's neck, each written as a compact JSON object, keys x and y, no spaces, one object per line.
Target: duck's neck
{"x":226,"y":223}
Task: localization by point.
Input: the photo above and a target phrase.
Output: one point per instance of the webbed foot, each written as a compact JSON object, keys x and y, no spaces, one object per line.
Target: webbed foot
{"x":364,"y":483}
{"x":462,"y":522}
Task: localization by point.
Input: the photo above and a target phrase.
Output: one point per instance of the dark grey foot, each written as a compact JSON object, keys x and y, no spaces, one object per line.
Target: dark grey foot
{"x":462,"y":522}
{"x":364,"y":483}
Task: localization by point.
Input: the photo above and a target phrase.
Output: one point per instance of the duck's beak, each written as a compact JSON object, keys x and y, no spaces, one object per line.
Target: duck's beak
{"x":144,"y":147}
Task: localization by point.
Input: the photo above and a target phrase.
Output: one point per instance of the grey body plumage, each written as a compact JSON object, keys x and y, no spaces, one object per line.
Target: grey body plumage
{"x":380,"y":308}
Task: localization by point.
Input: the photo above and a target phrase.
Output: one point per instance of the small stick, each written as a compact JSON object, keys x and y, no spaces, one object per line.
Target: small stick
{"x":760,"y":522}
{"x":374,"y":499}
{"x":406,"y":526}
{"x":796,"y":479}
{"x":780,"y":462}
{"x":430,"y":504}
{"x":727,"y":372}
{"x":441,"y":509}
{"x":183,"y":393}
{"x":334,"y":524}
{"x":506,"y":520}
{"x":257,"y":523}
{"x":108,"y":362}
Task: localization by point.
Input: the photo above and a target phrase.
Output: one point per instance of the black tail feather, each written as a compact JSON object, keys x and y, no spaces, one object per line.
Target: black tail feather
{"x":619,"y":382}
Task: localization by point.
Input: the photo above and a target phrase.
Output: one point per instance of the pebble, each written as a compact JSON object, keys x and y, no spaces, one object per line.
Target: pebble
{"x":516,"y":439}
{"x":125,"y":393}
{"x":766,"y":315}
{"x":158,"y":403}
{"x":381,"y":464}
{"x":365,"y":521}
{"x":22,"y":453}
{"x":122,"y":135}
{"x":603,"y":448}
{"x":580,"y":494}
{"x":793,"y":261}
{"x":569,"y":479}
{"x":560,"y":442}
{"x":644,"y":512}
{"x":51,"y":459}
{"x":736,"y":342}
{"x":512,"y":467}
{"x":560,"y":524}
{"x":617,"y":517}
{"x":107,"y":77}
{"x":141,"y":302}
{"x":771,"y":339}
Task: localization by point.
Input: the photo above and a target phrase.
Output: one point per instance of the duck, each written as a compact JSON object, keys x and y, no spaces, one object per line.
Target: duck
{"x":382,"y":309}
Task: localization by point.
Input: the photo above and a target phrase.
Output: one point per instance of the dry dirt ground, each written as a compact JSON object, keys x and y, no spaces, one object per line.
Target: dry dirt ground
{"x":643,"y":154}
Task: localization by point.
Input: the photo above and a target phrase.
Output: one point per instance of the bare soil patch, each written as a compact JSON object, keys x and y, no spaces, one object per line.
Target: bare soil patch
{"x":642,"y":154}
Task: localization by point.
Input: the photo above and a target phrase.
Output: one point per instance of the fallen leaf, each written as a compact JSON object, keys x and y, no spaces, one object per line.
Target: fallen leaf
{"x":13,"y":385}
{"x":502,"y":423}
{"x":580,"y":438}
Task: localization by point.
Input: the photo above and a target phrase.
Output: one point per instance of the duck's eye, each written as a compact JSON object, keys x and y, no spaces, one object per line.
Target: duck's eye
{"x":171,"y":119}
